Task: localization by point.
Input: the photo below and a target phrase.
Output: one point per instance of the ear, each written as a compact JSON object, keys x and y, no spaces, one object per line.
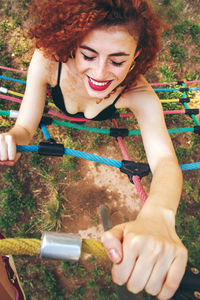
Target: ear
{"x":137,"y":53}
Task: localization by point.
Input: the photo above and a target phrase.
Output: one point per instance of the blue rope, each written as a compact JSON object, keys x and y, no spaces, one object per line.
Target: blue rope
{"x":12,"y":79}
{"x":171,"y":90}
{"x":93,"y":157}
{"x":158,"y":90}
{"x":192,"y":166}
{"x":76,"y":153}
{"x":45,"y":131}
{"x":27,"y":148}
{"x":97,"y":158}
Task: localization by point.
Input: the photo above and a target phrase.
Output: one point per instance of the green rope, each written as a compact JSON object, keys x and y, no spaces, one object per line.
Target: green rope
{"x":81,"y":127}
{"x":107,"y":131}
{"x":179,"y":130}
{"x":5,"y":113}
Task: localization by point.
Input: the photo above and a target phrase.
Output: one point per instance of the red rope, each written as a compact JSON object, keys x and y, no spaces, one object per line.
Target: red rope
{"x":136,"y":179}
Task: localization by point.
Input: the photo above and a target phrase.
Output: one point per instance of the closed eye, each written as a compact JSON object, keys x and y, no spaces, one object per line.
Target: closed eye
{"x":118,"y":64}
{"x":87,"y":57}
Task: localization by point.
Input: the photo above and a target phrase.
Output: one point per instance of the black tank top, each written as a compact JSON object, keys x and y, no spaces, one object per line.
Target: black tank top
{"x":58,"y":100}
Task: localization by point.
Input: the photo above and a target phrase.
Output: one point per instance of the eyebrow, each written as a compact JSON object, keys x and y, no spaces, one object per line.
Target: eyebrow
{"x":113,"y":54}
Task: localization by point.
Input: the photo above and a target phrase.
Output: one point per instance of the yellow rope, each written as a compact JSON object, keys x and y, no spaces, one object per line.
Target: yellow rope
{"x":162,"y":101}
{"x":18,"y":246}
{"x":15,"y":93}
{"x":94,"y":248}
{"x":177,"y":100}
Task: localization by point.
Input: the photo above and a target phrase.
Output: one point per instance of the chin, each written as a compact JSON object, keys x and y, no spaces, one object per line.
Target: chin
{"x":97,"y":94}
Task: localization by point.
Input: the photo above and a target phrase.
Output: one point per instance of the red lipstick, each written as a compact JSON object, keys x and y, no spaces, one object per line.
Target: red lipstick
{"x":98,"y":85}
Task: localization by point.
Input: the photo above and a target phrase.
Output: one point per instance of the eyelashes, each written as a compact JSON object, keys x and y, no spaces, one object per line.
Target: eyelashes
{"x":89,"y":58}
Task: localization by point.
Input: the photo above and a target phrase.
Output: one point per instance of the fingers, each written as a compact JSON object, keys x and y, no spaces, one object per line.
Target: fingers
{"x":112,"y":243}
{"x":8,"y":150}
{"x":148,"y":256}
{"x":160,"y":269}
{"x":151,"y":264}
{"x":174,"y":275}
{"x":131,"y":249}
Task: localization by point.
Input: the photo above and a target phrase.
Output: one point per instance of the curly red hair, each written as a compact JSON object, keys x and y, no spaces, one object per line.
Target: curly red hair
{"x":62,"y":24}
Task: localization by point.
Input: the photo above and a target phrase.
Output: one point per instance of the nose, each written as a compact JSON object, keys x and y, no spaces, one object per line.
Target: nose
{"x":101,"y":71}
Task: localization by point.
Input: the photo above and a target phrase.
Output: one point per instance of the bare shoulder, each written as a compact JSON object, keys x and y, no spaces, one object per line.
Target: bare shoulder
{"x":141,"y":85}
{"x":141,"y":98}
{"x":42,"y":68}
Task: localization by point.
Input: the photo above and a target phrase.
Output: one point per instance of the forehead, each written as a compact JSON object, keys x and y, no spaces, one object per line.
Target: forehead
{"x":114,"y":38}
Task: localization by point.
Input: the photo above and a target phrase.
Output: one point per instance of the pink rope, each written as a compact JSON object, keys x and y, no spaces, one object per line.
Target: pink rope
{"x":172,"y":112}
{"x":168,"y":83}
{"x":126,"y":115}
{"x":123,"y":149}
{"x":10,"y":98}
{"x":139,"y":188}
{"x":168,"y":112}
{"x":152,"y":84}
{"x":51,"y":112}
{"x":14,"y":70}
{"x":62,"y":116}
{"x":136,"y":179}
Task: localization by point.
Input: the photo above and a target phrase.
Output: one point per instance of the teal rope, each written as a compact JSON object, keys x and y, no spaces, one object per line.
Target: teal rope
{"x":81,"y":127}
{"x":179,"y":130}
{"x":104,"y":131}
{"x":107,"y":131}
{"x":4,"y":113}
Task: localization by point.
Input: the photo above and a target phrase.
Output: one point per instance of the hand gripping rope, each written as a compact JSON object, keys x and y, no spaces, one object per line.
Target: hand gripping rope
{"x":70,"y":247}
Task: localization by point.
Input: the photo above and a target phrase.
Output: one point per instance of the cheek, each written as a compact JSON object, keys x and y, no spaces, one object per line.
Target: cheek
{"x":80,"y":63}
{"x":121,"y":74}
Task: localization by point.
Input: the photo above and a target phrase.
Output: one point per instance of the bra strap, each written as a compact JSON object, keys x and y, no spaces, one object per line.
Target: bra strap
{"x":59,"y":72}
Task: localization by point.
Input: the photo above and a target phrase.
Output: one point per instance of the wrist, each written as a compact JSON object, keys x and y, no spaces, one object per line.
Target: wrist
{"x":157,"y":212}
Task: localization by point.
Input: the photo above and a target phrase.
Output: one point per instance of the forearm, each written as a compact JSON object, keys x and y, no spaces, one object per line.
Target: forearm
{"x":166,"y":186}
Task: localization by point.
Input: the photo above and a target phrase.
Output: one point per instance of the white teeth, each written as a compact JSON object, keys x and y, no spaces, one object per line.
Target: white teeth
{"x":98,"y":83}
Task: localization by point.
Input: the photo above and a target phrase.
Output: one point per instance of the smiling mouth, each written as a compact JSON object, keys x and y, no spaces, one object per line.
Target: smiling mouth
{"x":98,"y":85}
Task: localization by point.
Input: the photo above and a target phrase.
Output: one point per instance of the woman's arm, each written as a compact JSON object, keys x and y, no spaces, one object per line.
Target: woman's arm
{"x":147,"y":253}
{"x":30,"y":112}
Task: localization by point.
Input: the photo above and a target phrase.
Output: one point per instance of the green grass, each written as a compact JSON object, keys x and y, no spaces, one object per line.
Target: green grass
{"x":181,"y":28}
{"x":177,"y":53}
{"x":74,"y":269}
{"x":40,"y":281}
{"x":195,"y":33}
{"x":13,"y":202}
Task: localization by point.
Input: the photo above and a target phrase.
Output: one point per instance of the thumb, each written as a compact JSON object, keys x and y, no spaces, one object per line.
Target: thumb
{"x":112,"y":242}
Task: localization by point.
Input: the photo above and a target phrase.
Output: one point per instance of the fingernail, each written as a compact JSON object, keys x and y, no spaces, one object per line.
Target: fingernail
{"x":114,"y":255}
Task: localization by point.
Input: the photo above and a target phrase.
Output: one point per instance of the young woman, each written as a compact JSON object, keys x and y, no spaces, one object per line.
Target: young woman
{"x":93,"y":54}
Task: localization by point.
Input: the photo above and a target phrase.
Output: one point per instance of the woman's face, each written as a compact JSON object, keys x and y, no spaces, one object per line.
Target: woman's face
{"x":104,"y":58}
